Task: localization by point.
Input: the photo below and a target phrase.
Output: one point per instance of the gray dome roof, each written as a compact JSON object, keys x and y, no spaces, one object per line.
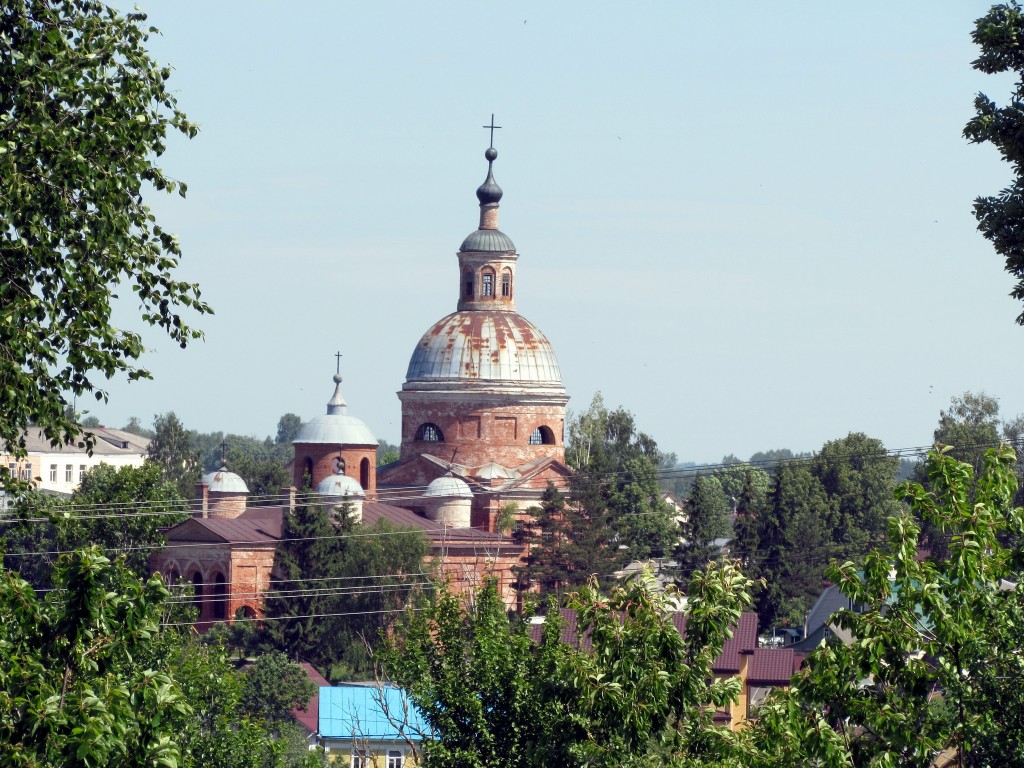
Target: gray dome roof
{"x":487,"y":240}
{"x":448,"y":486}
{"x":502,"y":346}
{"x":223,"y":481}
{"x":336,"y":427}
{"x":340,"y":485}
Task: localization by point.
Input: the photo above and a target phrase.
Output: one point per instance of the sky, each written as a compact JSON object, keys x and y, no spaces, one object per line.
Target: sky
{"x":750,"y":227}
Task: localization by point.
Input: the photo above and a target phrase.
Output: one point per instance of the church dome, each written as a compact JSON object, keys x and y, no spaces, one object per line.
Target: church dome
{"x":336,"y":427}
{"x":487,"y":240}
{"x":480,"y":345}
{"x":340,"y":485}
{"x":448,"y":486}
{"x":223,"y":481}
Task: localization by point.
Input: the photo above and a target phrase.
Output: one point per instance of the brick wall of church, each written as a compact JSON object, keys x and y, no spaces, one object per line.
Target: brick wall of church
{"x":482,"y":430}
{"x":322,"y":459}
{"x":227,"y":579}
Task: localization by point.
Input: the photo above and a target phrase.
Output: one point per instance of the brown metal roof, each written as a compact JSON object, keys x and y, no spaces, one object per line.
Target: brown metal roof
{"x":743,"y":640}
{"x":310,"y":717}
{"x":237,"y":531}
{"x":773,"y":666}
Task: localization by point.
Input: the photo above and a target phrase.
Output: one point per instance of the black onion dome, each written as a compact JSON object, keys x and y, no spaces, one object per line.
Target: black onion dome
{"x":489,"y":191}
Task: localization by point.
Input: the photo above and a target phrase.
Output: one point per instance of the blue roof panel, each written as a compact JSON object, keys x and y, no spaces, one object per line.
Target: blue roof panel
{"x":354,"y":712}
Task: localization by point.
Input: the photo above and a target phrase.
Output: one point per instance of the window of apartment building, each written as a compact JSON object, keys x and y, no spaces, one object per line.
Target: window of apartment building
{"x":361,"y":759}
{"x":69,"y":473}
{"x":394,"y":758}
{"x":53,"y":473}
{"x":81,"y":471}
{"x":27,"y":471}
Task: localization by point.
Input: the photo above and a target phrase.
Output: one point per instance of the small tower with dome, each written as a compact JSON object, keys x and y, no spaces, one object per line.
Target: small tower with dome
{"x":335,"y":443}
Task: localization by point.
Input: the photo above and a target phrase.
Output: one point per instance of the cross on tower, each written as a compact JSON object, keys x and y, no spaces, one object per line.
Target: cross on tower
{"x":492,"y":126}
{"x":224,"y":453}
{"x":337,"y":355}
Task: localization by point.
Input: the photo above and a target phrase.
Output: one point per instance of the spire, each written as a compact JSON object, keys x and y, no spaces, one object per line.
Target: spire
{"x":337,"y":402}
{"x":489,"y":193}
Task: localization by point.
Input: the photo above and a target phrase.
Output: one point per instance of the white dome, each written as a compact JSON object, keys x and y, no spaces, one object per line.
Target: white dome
{"x":485,"y":345}
{"x":340,"y":485}
{"x":336,"y":429}
{"x":448,"y":487}
{"x":223,"y":481}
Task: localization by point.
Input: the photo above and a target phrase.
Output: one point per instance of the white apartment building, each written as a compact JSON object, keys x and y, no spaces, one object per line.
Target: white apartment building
{"x":59,"y":469}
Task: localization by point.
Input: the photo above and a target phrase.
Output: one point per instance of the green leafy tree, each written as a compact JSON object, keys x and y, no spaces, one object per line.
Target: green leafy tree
{"x":272,"y":686}
{"x":122,"y":510}
{"x":615,"y":512}
{"x":628,"y":690}
{"x":971,"y":425}
{"x":645,"y":693}
{"x":288,"y":427}
{"x":69,"y":692}
{"x":477,"y":679}
{"x":936,"y":661}
{"x":29,"y":538}
{"x":387,"y":453}
{"x":84,"y":113}
{"x":1000,"y":36}
{"x":859,"y":478}
{"x":171,"y":449}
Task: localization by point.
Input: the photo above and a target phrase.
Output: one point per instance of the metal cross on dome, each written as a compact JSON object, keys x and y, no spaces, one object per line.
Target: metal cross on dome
{"x":492,"y":126}
{"x":337,"y":355}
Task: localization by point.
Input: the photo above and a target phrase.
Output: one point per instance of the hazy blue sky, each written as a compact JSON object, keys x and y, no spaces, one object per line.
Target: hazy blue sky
{"x":750,"y":224}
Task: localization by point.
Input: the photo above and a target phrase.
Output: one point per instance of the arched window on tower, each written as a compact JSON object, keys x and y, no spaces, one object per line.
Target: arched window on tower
{"x":307,"y":471}
{"x":430,"y":433}
{"x":467,"y":284}
{"x":506,"y":283}
{"x":487,"y":283}
{"x":542,"y":436}
{"x":364,"y":473}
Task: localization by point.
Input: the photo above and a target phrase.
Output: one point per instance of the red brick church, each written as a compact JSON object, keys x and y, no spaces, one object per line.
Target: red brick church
{"x":483,"y":421}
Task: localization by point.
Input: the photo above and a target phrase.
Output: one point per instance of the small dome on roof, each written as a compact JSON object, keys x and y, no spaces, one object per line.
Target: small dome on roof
{"x":448,"y":486}
{"x":336,"y":427}
{"x":224,"y":481}
{"x":487,"y":240}
{"x":340,"y":485}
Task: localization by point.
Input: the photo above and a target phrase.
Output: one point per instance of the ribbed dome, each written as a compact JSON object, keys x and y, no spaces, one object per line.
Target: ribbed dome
{"x":487,"y":240}
{"x":502,"y":346}
{"x":340,"y":485}
{"x":448,"y":487}
{"x":223,"y":481}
